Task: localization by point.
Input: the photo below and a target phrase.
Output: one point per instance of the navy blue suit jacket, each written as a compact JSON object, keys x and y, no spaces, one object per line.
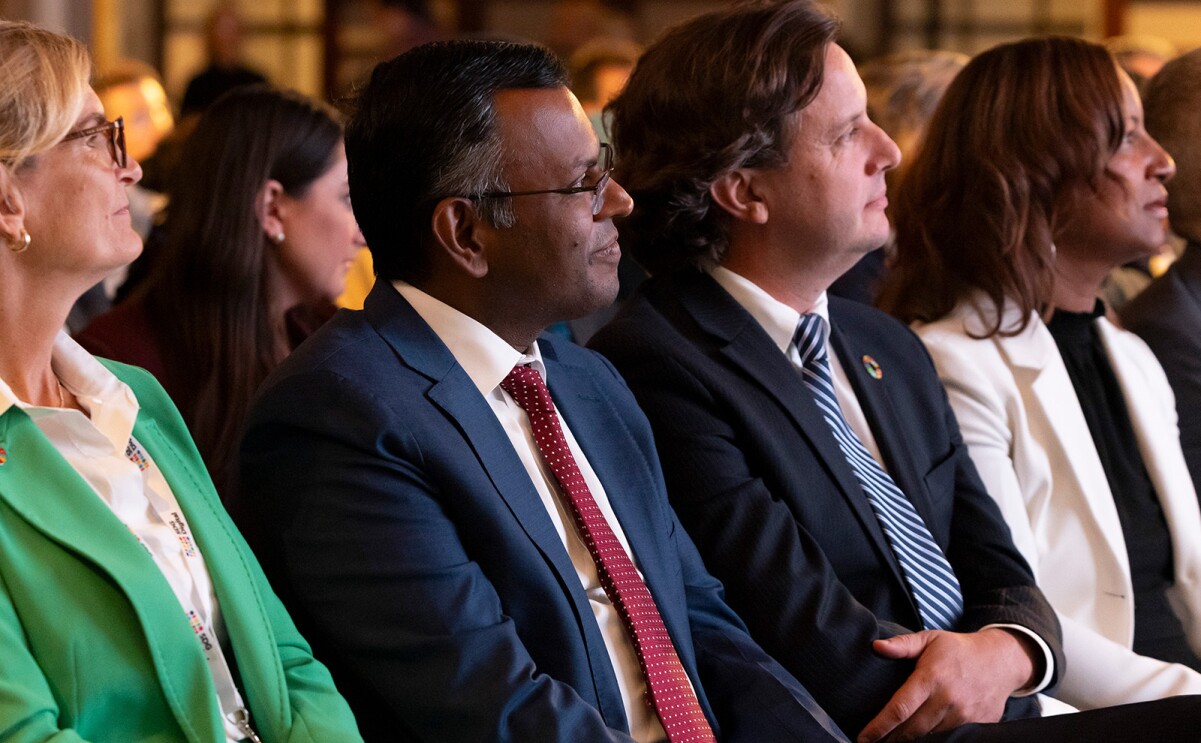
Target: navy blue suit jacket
{"x":759,"y":482}
{"x":399,"y":526}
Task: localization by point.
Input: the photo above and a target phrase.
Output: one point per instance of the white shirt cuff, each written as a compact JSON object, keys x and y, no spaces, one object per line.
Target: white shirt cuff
{"x":1048,"y":659}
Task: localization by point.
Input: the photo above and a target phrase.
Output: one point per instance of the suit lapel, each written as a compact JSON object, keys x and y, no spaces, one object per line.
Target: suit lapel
{"x":452,"y":391}
{"x":241,"y":607}
{"x":748,"y":348}
{"x":47,"y":492}
{"x":889,"y":429}
{"x":607,"y":444}
{"x":630,"y":487}
{"x":1050,"y":401}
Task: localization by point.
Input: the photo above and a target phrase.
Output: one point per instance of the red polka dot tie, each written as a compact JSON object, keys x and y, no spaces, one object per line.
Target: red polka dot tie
{"x":668,"y":689}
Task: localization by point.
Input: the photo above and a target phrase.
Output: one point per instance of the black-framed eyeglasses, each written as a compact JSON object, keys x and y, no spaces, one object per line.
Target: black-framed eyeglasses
{"x":597,"y":189}
{"x":115,"y":130}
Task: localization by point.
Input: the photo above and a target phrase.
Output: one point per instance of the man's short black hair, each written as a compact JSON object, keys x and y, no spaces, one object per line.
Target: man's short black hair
{"x":425,"y":129}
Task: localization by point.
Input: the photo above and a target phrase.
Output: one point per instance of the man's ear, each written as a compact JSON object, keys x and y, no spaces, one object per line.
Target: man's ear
{"x":460,"y":233}
{"x":12,"y":207}
{"x":738,"y":194}
{"x":270,"y":207}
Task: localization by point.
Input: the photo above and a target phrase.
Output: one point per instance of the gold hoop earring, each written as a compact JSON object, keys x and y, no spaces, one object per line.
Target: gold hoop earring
{"x":21,"y":244}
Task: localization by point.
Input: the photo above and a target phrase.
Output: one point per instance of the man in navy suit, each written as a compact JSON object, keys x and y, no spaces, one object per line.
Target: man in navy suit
{"x":758,"y":180}
{"x":406,"y":505}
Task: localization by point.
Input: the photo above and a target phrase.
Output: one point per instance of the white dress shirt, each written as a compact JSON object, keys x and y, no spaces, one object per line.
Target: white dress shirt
{"x":488,"y":359}
{"x":94,"y":443}
{"x":780,"y":322}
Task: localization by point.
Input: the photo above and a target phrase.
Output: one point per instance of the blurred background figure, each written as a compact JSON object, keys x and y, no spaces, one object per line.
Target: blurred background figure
{"x":258,"y":238}
{"x":575,"y":22}
{"x":903,"y":89}
{"x":225,"y":71}
{"x":402,"y":25}
{"x":133,"y":90}
{"x":1167,"y":315}
{"x":1142,"y":56}
{"x":126,"y":594}
{"x":1036,"y":179}
{"x":599,"y":70}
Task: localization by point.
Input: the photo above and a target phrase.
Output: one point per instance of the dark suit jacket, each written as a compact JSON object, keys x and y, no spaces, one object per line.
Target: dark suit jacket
{"x":760,"y":484}
{"x":397,"y":522}
{"x":1167,"y":315}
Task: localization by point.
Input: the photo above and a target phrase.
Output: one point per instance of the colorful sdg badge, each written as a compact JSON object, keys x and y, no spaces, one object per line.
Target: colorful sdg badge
{"x":872,"y":367}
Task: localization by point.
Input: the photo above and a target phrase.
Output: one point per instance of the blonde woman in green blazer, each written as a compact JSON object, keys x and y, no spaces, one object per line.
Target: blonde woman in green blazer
{"x":130,"y":608}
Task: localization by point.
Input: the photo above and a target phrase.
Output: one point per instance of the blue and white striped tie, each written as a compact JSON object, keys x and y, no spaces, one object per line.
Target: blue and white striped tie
{"x":931,"y":579}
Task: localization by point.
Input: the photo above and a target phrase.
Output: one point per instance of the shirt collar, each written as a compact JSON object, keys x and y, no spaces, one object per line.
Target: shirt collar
{"x":777,"y":318}
{"x":484,"y":355}
{"x":109,"y":402}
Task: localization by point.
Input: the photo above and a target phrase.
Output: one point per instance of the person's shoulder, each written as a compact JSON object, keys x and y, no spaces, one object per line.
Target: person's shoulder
{"x":870,"y":324}
{"x":1128,"y":347}
{"x":135,"y":377}
{"x":655,"y":313}
{"x":574,"y":357}
{"x":1159,"y":305}
{"x":345,"y":340}
{"x":862,"y":315}
{"x":153,"y":400}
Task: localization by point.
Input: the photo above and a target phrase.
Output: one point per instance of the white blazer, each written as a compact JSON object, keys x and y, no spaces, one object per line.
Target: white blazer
{"x":1027,"y":435}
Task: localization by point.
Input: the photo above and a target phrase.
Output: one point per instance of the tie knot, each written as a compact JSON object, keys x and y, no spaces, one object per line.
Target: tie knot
{"x":525,"y":385}
{"x":810,"y":338}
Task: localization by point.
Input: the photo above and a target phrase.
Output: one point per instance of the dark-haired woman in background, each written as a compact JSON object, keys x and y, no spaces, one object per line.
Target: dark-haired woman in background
{"x":259,"y":236}
{"x":130,"y":608}
{"x":1037,"y":177}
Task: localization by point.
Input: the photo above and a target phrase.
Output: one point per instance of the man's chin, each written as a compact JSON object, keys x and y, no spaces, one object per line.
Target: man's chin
{"x":601,"y":298}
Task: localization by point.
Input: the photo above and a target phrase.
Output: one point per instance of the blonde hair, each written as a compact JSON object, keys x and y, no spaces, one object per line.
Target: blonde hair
{"x":45,"y":83}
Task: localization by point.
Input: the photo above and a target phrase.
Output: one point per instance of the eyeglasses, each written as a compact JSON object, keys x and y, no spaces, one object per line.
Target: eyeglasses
{"x":116,"y":138}
{"x":597,"y":189}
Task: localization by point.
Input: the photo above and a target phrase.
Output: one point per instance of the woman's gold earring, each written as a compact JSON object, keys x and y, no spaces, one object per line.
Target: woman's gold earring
{"x":21,"y":244}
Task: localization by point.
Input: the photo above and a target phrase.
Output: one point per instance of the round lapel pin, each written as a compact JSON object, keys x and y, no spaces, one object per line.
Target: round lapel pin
{"x":3,"y":455}
{"x":872,"y":367}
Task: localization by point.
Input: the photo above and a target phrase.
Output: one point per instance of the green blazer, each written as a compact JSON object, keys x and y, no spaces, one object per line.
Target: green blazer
{"x":94,"y":645}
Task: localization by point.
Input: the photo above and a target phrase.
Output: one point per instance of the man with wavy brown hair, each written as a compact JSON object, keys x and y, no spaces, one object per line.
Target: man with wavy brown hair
{"x":819,"y":469}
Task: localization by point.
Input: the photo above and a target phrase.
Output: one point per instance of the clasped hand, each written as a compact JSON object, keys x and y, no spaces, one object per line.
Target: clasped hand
{"x":959,"y":678}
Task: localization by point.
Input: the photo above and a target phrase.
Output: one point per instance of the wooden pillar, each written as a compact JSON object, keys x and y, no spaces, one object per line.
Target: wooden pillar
{"x":106,"y":33}
{"x":472,"y":14}
{"x":933,"y":24}
{"x":1114,"y":21}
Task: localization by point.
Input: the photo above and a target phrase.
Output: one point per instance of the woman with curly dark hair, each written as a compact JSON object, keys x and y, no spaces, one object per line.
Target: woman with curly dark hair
{"x":1036,"y":178}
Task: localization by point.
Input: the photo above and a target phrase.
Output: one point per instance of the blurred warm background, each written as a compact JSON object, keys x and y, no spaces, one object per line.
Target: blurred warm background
{"x":322,"y":46}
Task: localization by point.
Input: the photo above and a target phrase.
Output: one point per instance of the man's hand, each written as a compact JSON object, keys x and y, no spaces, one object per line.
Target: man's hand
{"x":959,"y":678}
